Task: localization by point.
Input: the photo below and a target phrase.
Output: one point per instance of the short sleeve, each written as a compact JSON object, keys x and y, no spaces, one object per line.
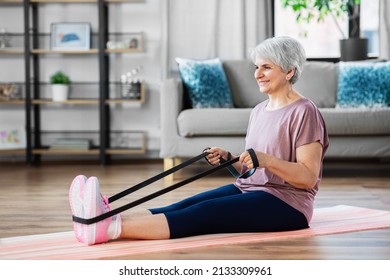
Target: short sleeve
{"x":310,"y":127}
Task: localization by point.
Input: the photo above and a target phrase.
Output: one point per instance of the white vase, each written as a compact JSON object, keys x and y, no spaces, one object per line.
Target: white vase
{"x":60,"y":92}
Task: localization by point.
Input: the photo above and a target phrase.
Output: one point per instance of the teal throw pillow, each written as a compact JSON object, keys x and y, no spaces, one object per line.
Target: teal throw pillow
{"x":205,"y":83}
{"x":364,"y":84}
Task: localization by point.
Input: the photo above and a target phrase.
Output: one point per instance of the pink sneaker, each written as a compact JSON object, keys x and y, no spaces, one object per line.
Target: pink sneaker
{"x":76,"y":198}
{"x":87,"y":203}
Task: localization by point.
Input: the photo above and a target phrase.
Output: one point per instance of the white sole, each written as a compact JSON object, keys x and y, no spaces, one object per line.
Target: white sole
{"x":91,"y":192}
{"x":76,"y":205}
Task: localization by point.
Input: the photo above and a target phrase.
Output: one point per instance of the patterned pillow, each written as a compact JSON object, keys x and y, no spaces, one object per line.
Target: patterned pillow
{"x":205,"y":82}
{"x":363,"y":84}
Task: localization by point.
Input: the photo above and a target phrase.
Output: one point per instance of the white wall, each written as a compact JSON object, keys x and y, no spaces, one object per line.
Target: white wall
{"x":145,"y":17}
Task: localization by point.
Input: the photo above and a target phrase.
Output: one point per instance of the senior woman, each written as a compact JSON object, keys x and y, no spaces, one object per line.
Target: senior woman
{"x":289,"y":138}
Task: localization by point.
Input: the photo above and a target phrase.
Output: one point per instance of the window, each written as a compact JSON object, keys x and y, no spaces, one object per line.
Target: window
{"x":321,"y":40}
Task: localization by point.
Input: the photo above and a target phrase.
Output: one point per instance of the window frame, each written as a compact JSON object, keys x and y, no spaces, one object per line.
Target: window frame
{"x":326,"y":59}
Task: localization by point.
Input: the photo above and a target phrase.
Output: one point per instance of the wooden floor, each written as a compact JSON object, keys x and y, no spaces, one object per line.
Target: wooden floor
{"x":34,"y":200}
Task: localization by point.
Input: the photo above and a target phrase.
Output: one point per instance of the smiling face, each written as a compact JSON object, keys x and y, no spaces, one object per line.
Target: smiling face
{"x":270,"y":77}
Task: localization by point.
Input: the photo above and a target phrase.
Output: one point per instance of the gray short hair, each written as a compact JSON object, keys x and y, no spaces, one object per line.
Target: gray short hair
{"x":283,"y":51}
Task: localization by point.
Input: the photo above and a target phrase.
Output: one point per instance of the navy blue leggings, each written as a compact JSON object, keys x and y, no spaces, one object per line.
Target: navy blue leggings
{"x":228,"y":210}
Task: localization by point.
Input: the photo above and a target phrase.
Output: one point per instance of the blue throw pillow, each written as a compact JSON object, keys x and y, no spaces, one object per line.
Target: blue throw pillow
{"x":364,"y":84}
{"x":206,"y":83}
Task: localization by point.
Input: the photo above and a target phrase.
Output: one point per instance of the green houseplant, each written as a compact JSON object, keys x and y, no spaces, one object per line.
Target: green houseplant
{"x":352,"y":47}
{"x":60,"y":86}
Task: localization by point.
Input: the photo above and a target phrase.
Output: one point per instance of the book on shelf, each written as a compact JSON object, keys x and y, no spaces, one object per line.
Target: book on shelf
{"x":71,"y":144}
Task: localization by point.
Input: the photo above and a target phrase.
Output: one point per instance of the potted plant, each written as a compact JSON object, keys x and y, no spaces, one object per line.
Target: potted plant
{"x":60,"y":86}
{"x":352,"y":47}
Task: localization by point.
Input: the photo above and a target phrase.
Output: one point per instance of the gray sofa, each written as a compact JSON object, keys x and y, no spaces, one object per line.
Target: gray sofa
{"x":185,"y":132}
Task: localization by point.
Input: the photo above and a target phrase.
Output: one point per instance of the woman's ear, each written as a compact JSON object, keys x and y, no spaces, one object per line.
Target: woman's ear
{"x":290,"y":74}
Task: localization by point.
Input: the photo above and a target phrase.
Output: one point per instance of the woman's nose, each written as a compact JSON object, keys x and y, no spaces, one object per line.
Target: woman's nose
{"x":258,"y":73}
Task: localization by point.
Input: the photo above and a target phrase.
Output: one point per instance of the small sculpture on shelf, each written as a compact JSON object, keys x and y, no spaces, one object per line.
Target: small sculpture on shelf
{"x":4,"y":38}
{"x":9,"y":92}
{"x":60,"y":86}
{"x":131,"y":84}
{"x":131,"y":43}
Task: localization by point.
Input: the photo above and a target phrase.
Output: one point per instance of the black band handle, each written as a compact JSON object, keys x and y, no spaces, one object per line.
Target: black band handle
{"x":255,"y":161}
{"x":232,"y":170}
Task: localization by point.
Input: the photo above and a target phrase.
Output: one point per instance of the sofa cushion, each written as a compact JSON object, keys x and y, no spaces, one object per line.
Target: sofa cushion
{"x":364,"y":84}
{"x":357,"y":121}
{"x":319,"y":83}
{"x":243,"y":85}
{"x":205,"y":82}
{"x":213,"y":122}
{"x":339,"y":121}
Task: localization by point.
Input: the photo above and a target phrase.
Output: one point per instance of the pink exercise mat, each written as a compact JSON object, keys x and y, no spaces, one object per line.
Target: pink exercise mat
{"x":63,"y":245}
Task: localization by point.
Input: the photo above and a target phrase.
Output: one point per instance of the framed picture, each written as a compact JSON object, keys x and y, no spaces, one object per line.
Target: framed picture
{"x":70,"y":36}
{"x":12,"y":138}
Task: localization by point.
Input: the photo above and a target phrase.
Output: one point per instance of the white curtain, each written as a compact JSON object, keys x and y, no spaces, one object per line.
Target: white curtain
{"x":226,"y":29}
{"x":384,"y":29}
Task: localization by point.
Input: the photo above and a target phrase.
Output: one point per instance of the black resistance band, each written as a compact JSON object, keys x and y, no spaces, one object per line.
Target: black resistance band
{"x":149,"y":181}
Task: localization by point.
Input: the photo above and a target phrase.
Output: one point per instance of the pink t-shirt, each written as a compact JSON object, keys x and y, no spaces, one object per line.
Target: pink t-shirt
{"x":279,"y":133}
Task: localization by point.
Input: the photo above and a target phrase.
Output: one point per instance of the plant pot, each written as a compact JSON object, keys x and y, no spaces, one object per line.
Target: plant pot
{"x":60,"y":92}
{"x":353,"y":49}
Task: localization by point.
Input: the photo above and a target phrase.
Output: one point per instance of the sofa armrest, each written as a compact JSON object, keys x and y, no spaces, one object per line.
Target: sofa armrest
{"x":171,"y":104}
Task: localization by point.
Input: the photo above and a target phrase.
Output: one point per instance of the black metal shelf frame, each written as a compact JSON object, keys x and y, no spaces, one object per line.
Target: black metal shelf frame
{"x":104,"y":82}
{"x":32,"y":79}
